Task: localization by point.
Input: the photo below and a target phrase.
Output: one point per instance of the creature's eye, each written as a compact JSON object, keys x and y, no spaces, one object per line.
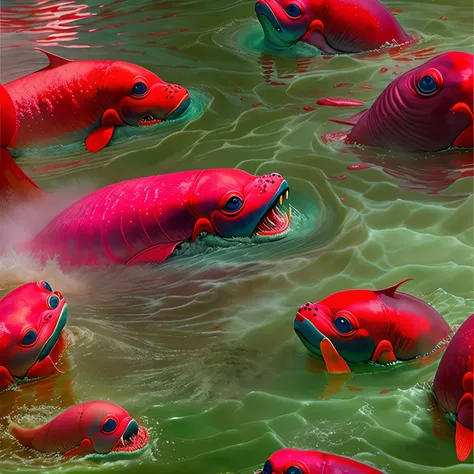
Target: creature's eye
{"x":47,"y":286}
{"x":343,"y":325}
{"x":293,"y":10}
{"x":29,"y":338}
{"x":267,"y":468}
{"x":139,"y":89}
{"x":293,"y":470}
{"x":109,"y":425}
{"x":233,"y":204}
{"x":429,"y":82}
{"x":53,"y":302}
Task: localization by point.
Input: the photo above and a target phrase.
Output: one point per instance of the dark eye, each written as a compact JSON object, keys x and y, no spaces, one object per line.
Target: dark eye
{"x":293,"y":470}
{"x":293,"y":10}
{"x":427,"y":85}
{"x":233,"y":204}
{"x":53,"y":302}
{"x":343,"y":325}
{"x":47,"y":286}
{"x":109,"y":425}
{"x":139,"y":88}
{"x":29,"y":338}
{"x":267,"y":468}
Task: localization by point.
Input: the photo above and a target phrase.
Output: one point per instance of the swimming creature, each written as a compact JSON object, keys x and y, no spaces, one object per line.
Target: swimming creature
{"x":32,"y":318}
{"x":333,"y":26}
{"x":429,"y":108}
{"x":453,"y":386}
{"x":382,"y":326}
{"x":298,"y":461}
{"x":68,"y":96}
{"x":96,"y":427}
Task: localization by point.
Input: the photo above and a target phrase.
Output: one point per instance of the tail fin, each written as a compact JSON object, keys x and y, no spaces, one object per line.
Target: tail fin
{"x":14,"y":183}
{"x":24,"y":436}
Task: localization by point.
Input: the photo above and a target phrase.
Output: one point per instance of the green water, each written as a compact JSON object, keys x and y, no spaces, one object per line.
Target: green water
{"x":222,"y":400}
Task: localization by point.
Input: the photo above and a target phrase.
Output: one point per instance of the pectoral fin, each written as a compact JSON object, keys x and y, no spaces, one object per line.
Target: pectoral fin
{"x":335,"y":364}
{"x":100,"y":137}
{"x":6,"y":379}
{"x":157,"y":254}
{"x":464,"y":441}
{"x":384,"y":353}
{"x":83,"y":449}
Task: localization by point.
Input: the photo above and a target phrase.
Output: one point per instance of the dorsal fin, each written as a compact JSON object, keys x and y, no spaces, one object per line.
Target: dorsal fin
{"x":390,"y":291}
{"x":54,"y":59}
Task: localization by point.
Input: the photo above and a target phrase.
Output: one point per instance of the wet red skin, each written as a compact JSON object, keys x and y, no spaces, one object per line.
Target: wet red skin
{"x":455,"y":363}
{"x":313,"y":462}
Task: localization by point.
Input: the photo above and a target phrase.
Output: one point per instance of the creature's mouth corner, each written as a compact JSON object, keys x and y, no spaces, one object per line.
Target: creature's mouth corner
{"x":277,"y":219}
{"x":148,"y":120}
{"x":134,"y":439}
{"x":56,"y":334}
{"x":465,"y":139}
{"x":173,"y":114}
{"x":265,"y":15}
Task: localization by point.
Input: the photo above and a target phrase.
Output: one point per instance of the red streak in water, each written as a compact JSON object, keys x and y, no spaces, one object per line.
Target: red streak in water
{"x":343,"y":84}
{"x":257,"y":104}
{"x":367,"y":86}
{"x":443,"y":18}
{"x":340,"y":102}
{"x":359,"y":166}
{"x":338,"y":177}
{"x":275,"y":83}
{"x":383,"y":70}
{"x":56,"y":166}
{"x":308,"y":108}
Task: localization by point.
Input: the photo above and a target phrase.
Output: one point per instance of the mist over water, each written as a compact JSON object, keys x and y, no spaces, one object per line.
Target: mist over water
{"x":201,"y":349}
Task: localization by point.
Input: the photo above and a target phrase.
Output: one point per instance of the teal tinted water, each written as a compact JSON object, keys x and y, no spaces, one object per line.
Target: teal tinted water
{"x":222,"y":400}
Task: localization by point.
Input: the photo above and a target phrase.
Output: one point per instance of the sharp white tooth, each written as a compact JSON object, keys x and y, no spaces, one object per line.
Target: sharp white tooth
{"x":123,"y":442}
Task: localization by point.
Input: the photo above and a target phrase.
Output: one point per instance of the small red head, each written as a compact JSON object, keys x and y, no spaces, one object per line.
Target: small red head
{"x":32,"y":318}
{"x":140,"y":97}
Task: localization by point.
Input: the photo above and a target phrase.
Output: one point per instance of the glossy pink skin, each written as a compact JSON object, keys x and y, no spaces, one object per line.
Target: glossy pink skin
{"x":68,"y":430}
{"x":73,"y":96}
{"x":313,"y":462}
{"x":119,"y":222}
{"x":23,"y":309}
{"x":375,"y":24}
{"x":457,"y":360}
{"x":402,"y":119}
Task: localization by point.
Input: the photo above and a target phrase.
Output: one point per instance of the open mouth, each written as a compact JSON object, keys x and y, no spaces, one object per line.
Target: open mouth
{"x":134,"y":439}
{"x":263,"y":10}
{"x":465,"y":138}
{"x":277,"y":219}
{"x":51,"y":342}
{"x":149,"y":119}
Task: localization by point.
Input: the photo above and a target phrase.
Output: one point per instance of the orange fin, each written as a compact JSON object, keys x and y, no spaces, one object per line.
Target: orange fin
{"x":390,"y":291}
{"x":157,"y":254}
{"x":100,"y":137}
{"x":202,"y":225}
{"x":54,"y":59}
{"x":335,"y":364}
{"x":384,"y":353}
{"x":464,"y":441}
{"x":83,"y":449}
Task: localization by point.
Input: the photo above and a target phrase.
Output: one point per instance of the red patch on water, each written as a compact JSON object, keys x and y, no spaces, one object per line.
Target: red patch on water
{"x":338,"y":177}
{"x":342,"y":199}
{"x":351,"y":388}
{"x":340,"y":102}
{"x":275,"y":83}
{"x":383,"y":392}
{"x":343,"y":84}
{"x":242,"y":99}
{"x":308,"y":108}
{"x":396,"y":10}
{"x":359,"y":166}
{"x":383,"y":70}
{"x":367,"y":86}
{"x":334,"y":137}
{"x":257,"y":104}
{"x":217,"y":327}
{"x":288,"y":76}
{"x":443,"y":18}
{"x":237,"y":89}
{"x":56,"y":166}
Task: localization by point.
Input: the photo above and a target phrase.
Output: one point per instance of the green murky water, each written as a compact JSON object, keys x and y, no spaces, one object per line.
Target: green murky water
{"x":222,"y":400}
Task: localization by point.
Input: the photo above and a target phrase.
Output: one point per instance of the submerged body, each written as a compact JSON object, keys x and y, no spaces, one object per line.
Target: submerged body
{"x":32,"y":318}
{"x":97,"y":427}
{"x":429,"y":108}
{"x":92,"y":95}
{"x":298,"y":461}
{"x":453,"y":386}
{"x":329,"y":24}
{"x":145,"y":219}
{"x":382,"y":326}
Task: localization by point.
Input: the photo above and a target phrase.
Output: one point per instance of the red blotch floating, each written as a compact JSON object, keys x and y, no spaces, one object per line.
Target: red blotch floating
{"x":383,"y":70}
{"x":257,"y":104}
{"x":359,"y":166}
{"x":308,"y":108}
{"x":340,"y":102}
{"x":343,"y":84}
{"x":237,"y":89}
{"x":367,"y":86}
{"x":443,"y":18}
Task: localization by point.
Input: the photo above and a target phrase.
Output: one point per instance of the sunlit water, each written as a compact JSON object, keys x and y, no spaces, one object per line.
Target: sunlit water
{"x":201,"y":349}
